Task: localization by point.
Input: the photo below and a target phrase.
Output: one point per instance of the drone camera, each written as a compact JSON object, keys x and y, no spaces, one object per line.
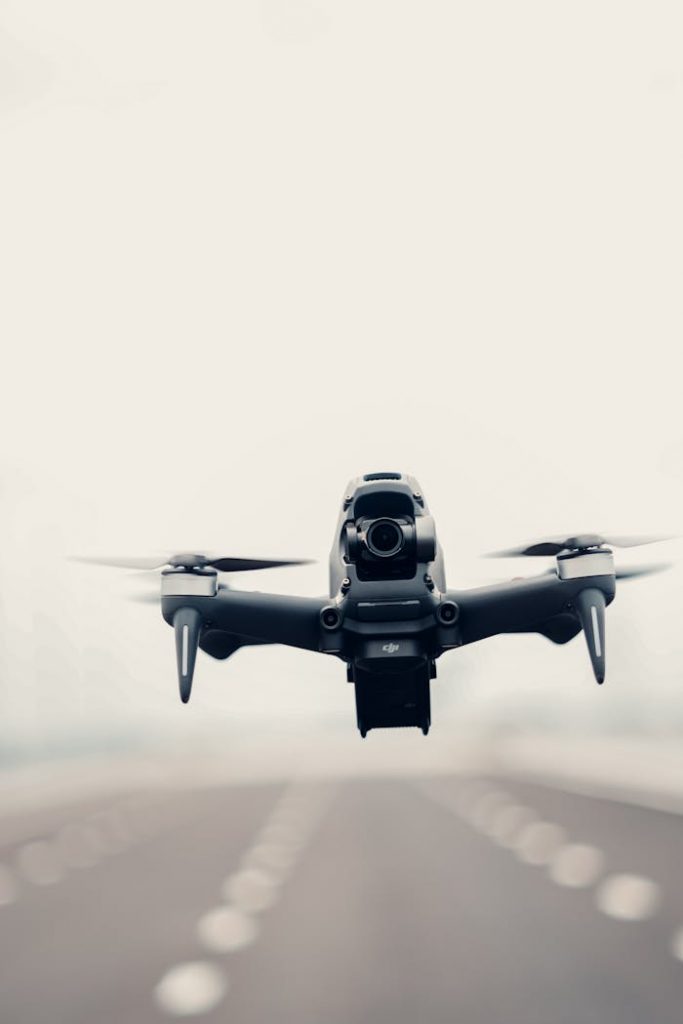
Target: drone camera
{"x":390,"y":545}
{"x":385,"y":538}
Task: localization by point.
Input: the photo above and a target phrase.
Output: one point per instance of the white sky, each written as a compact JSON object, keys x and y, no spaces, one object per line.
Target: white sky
{"x":250,"y":250}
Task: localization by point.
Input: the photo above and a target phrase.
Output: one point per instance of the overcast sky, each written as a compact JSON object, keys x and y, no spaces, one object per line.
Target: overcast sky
{"x":249,"y":250}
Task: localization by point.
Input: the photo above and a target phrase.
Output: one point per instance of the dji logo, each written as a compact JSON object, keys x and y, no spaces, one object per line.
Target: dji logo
{"x":390,"y":648}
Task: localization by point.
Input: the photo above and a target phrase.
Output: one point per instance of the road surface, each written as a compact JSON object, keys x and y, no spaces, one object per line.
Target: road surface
{"x":438,"y":899}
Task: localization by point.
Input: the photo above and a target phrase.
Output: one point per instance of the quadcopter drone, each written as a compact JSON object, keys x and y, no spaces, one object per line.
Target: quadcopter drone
{"x":389,"y":616}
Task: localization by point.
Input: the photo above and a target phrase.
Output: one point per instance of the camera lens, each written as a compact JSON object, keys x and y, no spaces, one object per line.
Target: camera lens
{"x":384,"y":538}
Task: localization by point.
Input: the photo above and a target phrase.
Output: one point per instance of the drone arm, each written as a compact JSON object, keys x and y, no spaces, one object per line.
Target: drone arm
{"x":522,"y":606}
{"x":264,"y":618}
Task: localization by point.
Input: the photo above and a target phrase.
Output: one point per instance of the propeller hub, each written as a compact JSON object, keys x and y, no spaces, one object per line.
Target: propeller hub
{"x":187,"y":561}
{"x":585,"y":562}
{"x":584,"y":541}
{"x":183,"y":582}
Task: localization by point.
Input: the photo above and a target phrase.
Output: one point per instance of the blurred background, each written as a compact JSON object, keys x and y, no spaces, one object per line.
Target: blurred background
{"x":249,"y":251}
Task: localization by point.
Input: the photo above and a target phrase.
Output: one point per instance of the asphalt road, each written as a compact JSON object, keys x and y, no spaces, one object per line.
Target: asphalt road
{"x":475,"y":901}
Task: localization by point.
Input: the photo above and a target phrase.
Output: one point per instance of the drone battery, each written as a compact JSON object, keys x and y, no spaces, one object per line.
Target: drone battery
{"x":391,"y":700}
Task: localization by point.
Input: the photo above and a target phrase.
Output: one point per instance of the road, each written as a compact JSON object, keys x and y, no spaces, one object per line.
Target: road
{"x":437,"y":899}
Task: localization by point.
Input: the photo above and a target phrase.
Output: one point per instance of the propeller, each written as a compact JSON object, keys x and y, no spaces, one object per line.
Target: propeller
{"x":187,"y":621}
{"x":193,"y":561}
{"x":634,"y":572}
{"x":589,"y":603}
{"x":578,"y":542}
{"x":642,"y":570}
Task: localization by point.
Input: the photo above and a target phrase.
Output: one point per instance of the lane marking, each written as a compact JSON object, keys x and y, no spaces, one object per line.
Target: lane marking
{"x":628,"y":897}
{"x":251,"y":889}
{"x":576,"y":865}
{"x":509,"y":822}
{"x":282,"y":834}
{"x":272,"y":856}
{"x":486,"y":807}
{"x":79,"y":846}
{"x":191,"y":988}
{"x":39,"y":863}
{"x":677,"y":945}
{"x":466,"y":795}
{"x":9,"y":890}
{"x":538,"y":843}
{"x":197,"y":987}
{"x":226,"y":930}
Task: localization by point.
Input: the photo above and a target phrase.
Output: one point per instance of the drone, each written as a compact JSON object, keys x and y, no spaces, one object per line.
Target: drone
{"x":389,"y":616}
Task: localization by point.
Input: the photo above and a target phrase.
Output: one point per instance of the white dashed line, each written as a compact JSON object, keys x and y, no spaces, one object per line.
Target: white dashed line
{"x":466,"y":796}
{"x":272,"y":856}
{"x":252,"y":890}
{"x":39,"y":863}
{"x":280,"y":834}
{"x":508,"y":823}
{"x":677,"y":945}
{"x":628,"y":897}
{"x":538,"y":843}
{"x":486,"y":807}
{"x":624,"y":897}
{"x":9,"y":890}
{"x":226,"y":930}
{"x":195,"y":988}
{"x":190,"y":989}
{"x":576,"y":866}
{"x":79,"y":845}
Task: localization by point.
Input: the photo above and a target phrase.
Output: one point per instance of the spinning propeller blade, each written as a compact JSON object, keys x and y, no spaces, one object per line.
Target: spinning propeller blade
{"x":187,"y":622}
{"x":556,"y":545}
{"x":195,"y":561}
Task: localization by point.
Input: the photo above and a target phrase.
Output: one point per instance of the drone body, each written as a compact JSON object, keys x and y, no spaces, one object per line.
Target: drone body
{"x":389,"y":615}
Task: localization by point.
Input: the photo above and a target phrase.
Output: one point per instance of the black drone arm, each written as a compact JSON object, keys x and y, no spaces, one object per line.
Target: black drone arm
{"x":544,"y":604}
{"x":230,"y":619}
{"x":264,"y":618}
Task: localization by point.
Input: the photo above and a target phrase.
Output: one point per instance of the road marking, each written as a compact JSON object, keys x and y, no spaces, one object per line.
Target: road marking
{"x":576,"y":865}
{"x":251,"y":889}
{"x":285,"y":835}
{"x":508,"y":822}
{"x":114,"y":834}
{"x":198,"y":987}
{"x":677,"y":944}
{"x":466,"y":796}
{"x":9,"y":890}
{"x":538,"y":843}
{"x":628,"y":897}
{"x":226,"y":930}
{"x":79,"y":845}
{"x":486,"y":807}
{"x":39,"y":863}
{"x":190,"y":989}
{"x":274,"y":858}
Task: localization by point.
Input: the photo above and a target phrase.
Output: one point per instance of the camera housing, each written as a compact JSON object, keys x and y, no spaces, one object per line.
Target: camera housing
{"x":389,"y":547}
